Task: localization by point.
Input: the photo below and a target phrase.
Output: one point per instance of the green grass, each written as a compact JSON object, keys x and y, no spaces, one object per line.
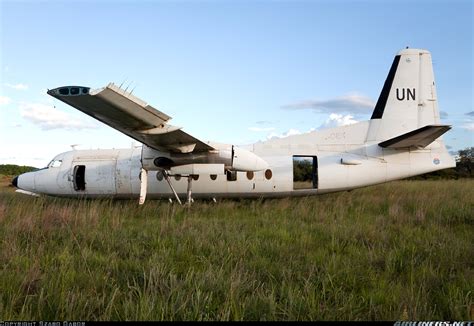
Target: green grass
{"x":402,"y":250}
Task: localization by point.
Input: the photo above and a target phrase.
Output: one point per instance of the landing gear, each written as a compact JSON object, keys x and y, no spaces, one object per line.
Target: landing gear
{"x":144,"y":185}
{"x":189,"y":192}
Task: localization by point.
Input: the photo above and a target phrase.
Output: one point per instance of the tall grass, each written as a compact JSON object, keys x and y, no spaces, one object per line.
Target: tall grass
{"x":402,"y":250}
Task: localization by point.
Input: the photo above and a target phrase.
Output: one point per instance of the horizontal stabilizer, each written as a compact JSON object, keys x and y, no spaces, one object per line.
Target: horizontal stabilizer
{"x":419,"y":138}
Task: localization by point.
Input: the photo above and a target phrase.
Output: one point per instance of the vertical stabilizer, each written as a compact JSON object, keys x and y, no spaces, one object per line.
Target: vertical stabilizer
{"x":408,"y":98}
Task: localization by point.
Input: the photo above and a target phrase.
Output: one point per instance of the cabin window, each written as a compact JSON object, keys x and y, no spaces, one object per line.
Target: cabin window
{"x":231,"y":175}
{"x":177,"y":177}
{"x":195,"y":177}
{"x":305,"y":172}
{"x":250,"y":175}
{"x":159,"y":175}
{"x":268,"y":174}
{"x":79,"y":177}
{"x":213,"y":177}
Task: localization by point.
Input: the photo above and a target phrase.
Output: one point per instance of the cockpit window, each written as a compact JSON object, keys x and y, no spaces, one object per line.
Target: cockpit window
{"x":55,"y":164}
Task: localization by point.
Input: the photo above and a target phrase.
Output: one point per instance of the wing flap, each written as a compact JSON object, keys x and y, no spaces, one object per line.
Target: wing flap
{"x":130,"y":115}
{"x":419,"y":138}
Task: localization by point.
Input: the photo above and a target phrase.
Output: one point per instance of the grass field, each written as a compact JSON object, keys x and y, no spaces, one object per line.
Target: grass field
{"x":398,"y":251}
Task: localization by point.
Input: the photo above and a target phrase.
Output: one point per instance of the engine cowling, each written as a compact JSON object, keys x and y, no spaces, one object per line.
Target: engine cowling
{"x":232,"y":157}
{"x":244,"y":160}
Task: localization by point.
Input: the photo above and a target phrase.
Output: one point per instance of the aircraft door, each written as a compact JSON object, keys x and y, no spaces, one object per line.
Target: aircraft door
{"x":305,"y":172}
{"x":79,"y":180}
{"x":94,"y":177}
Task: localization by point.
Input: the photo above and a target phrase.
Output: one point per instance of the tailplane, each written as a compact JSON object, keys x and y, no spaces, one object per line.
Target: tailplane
{"x":419,"y":138}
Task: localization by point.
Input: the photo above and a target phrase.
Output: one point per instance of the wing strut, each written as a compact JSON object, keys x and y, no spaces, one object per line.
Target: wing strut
{"x":144,"y":185}
{"x":168,"y":179}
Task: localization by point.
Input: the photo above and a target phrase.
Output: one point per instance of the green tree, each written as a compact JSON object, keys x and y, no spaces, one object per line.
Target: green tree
{"x":302,"y":170}
{"x":12,"y":169}
{"x":465,"y":162}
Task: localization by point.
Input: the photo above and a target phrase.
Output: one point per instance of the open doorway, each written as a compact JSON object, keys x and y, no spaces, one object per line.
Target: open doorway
{"x":305,"y":172}
{"x":79,"y":177}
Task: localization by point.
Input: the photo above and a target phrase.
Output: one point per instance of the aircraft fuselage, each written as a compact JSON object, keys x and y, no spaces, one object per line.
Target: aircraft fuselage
{"x":334,"y":166}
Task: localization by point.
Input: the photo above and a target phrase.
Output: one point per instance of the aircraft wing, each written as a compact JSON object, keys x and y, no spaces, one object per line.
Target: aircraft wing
{"x":420,"y":137}
{"x":122,"y":111}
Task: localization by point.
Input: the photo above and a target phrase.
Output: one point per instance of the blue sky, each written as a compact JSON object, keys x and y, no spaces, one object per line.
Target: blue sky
{"x":226,"y":71}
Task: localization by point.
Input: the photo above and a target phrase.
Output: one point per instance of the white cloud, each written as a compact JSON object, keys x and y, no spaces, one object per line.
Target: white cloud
{"x":469,"y":126}
{"x":334,"y":120}
{"x":353,"y":102}
{"x":262,"y":122}
{"x":338,"y":120}
{"x":290,"y":132}
{"x":37,"y":155}
{"x":4,"y":100}
{"x":20,"y":87}
{"x":258,"y":129}
{"x":48,"y":117}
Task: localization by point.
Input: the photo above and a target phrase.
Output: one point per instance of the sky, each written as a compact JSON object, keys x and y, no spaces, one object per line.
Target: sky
{"x":228,"y":71}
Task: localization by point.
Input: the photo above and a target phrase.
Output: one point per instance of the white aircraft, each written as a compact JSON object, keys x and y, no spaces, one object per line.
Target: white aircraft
{"x":401,"y":139}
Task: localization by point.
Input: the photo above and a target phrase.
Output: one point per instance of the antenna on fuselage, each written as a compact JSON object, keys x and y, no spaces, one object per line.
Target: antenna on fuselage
{"x":123,"y":82}
{"x":73,"y":146}
{"x":133,"y":89}
{"x":129,"y":84}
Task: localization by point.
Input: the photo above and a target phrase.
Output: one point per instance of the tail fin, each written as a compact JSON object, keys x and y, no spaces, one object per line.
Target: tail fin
{"x":408,"y":98}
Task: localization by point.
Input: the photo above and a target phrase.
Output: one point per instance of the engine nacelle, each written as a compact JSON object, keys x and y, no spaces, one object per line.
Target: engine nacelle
{"x":244,"y":160}
{"x":233,"y":158}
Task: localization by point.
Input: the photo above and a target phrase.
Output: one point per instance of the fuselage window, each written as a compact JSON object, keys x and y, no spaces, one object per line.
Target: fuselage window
{"x":159,"y":175}
{"x":231,"y":175}
{"x":195,"y":177}
{"x":213,"y":177}
{"x":177,"y":177}
{"x":250,"y":175}
{"x":79,"y":177}
{"x":268,"y":174}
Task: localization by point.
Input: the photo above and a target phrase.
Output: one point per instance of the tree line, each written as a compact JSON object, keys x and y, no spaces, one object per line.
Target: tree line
{"x":12,"y":169}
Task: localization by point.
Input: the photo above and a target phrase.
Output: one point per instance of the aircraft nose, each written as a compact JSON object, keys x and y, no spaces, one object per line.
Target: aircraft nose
{"x":15,"y":182}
